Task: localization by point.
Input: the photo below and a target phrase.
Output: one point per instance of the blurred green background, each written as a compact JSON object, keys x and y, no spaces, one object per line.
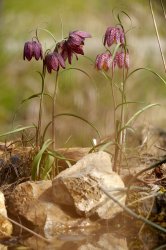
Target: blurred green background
{"x":89,"y":98}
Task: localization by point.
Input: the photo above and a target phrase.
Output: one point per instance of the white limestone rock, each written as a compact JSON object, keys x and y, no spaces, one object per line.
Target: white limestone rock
{"x":5,"y":225}
{"x":79,"y":186}
{"x":32,"y":203}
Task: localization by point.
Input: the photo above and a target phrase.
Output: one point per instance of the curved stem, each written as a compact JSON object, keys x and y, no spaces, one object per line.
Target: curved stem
{"x":45,"y":31}
{"x":38,"y":133}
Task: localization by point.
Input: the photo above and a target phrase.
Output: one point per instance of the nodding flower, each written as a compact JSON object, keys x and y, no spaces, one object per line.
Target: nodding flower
{"x":77,"y":38}
{"x":53,"y":61}
{"x":73,"y":45}
{"x":122,"y":59}
{"x":32,"y":49}
{"x":104,"y":62}
{"x":114,"y":35}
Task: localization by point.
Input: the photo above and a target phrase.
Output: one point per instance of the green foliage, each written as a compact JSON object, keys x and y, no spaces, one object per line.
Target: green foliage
{"x":36,"y":165}
{"x":16,"y":130}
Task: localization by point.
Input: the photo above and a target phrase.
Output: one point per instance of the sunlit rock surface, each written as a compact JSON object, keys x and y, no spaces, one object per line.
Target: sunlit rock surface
{"x":2,"y":247}
{"x":32,"y":203}
{"x":79,"y":186}
{"x":5,"y":225}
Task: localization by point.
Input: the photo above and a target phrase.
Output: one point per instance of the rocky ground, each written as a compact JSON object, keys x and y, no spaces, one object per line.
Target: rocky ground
{"x":73,"y":203}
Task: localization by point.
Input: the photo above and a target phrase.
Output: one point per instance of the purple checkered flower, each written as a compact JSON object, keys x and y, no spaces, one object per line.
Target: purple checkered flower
{"x":32,"y":49}
{"x":76,"y":38}
{"x":53,"y":61}
{"x":104,"y":62}
{"x":122,"y":59}
{"x":73,"y":45}
{"x":114,"y":35}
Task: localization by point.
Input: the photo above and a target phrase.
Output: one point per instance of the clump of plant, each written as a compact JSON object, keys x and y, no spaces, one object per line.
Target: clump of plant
{"x":115,"y":60}
{"x":116,"y":56}
{"x":52,"y":61}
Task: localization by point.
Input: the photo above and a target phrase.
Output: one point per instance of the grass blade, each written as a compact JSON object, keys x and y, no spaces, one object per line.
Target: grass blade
{"x":37,"y":159}
{"x":72,"y":115}
{"x":47,"y":167}
{"x":17,"y":130}
{"x":34,"y":96}
{"x":31,"y":97}
{"x":120,"y":104}
{"x":81,"y":70}
{"x":150,"y":70}
{"x":139,"y":112}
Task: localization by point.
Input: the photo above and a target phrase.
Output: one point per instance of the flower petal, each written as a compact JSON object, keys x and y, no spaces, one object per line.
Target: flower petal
{"x":74,"y":40}
{"x":60,"y":59}
{"x":37,"y":50}
{"x":28,"y":51}
{"x":82,"y":34}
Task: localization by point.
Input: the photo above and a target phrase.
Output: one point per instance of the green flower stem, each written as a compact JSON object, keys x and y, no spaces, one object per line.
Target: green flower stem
{"x":114,"y":103}
{"x":122,"y":134}
{"x":54,"y":167}
{"x":53,"y":109}
{"x":38,"y":133}
{"x":115,"y":125}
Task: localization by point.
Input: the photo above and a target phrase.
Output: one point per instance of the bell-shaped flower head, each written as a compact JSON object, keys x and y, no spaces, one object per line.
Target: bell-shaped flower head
{"x":72,"y":45}
{"x":32,"y":49}
{"x":114,"y":35}
{"x":122,"y":59}
{"x":104,"y":61}
{"x":53,"y":61}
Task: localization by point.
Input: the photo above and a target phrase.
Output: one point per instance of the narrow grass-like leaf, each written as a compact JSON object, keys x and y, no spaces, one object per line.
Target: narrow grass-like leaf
{"x":89,"y":59}
{"x":125,"y":127}
{"x":140,"y":111}
{"x":72,"y":115}
{"x":78,"y":69}
{"x":118,"y":17}
{"x":110,"y":143}
{"x":31,"y":97}
{"x":82,"y":119}
{"x":120,"y":104}
{"x":34,"y":96}
{"x":150,"y":70}
{"x":47,"y":166}
{"x":59,"y":156}
{"x":115,"y":50}
{"x":107,"y":77}
{"x":37,"y":159}
{"x":16,"y":130}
